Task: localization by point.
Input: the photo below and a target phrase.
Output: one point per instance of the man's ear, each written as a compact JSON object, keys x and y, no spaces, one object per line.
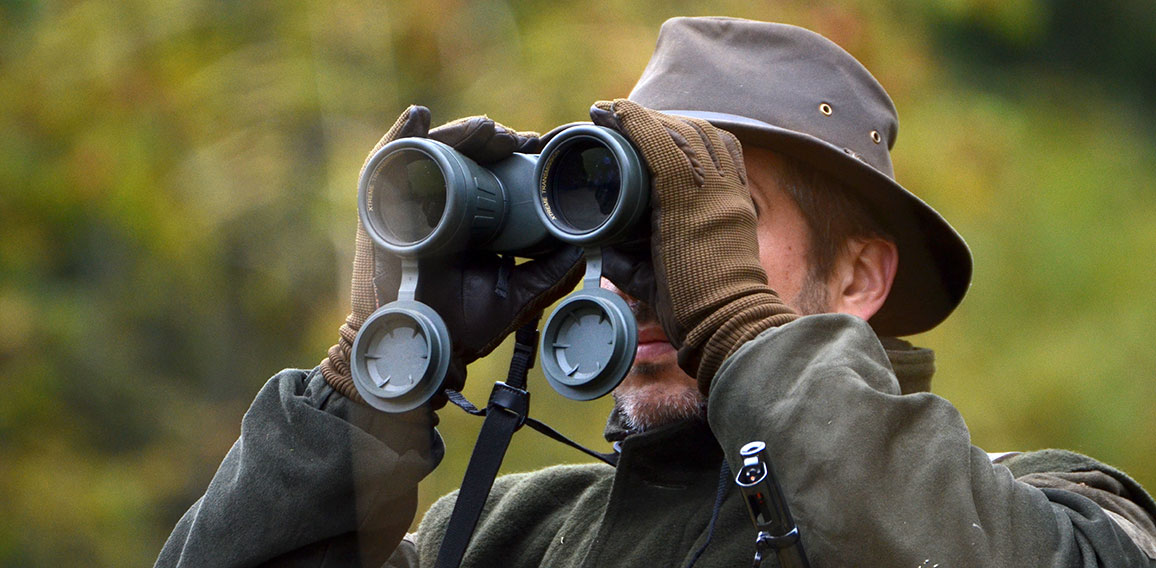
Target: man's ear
{"x":866,"y":270}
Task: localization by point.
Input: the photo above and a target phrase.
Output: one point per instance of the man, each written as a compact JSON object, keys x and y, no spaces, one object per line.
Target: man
{"x":804,"y":217}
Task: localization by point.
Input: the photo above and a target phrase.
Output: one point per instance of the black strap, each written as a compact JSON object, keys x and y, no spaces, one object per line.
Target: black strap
{"x":506,"y":412}
{"x":489,"y":450}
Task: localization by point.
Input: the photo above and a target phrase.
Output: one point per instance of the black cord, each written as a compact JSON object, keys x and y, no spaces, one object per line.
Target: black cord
{"x":724,"y":483}
{"x":463,"y":403}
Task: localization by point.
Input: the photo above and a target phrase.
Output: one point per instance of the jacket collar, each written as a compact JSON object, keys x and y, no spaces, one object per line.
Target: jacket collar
{"x":914,"y":367}
{"x":673,"y":453}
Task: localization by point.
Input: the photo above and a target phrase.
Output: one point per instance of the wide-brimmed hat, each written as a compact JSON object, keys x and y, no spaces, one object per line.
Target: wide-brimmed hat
{"x":793,"y":91}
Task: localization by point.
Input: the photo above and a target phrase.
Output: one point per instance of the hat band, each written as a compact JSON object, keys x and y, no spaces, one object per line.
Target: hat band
{"x":710,"y":116}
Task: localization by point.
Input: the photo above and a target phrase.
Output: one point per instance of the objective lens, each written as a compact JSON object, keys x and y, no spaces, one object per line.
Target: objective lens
{"x":583,"y":185}
{"x":409,"y":194}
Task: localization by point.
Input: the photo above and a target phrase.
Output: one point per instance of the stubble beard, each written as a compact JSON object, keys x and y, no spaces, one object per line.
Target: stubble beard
{"x":647,"y":403}
{"x":813,"y":297}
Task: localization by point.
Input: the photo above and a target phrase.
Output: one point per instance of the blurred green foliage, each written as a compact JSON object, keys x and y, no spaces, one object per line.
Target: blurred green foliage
{"x":177,"y":209}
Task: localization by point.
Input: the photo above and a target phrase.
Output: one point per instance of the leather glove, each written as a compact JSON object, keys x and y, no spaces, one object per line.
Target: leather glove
{"x":481,"y":296}
{"x":704,"y":280}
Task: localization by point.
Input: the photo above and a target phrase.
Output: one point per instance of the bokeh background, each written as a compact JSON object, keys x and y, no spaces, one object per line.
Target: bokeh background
{"x":177,"y":206}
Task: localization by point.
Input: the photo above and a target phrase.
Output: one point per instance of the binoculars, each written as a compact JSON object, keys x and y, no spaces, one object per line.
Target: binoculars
{"x":419,"y":198}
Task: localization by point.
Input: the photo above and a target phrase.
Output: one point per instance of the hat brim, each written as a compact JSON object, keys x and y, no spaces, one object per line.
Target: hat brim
{"x":935,"y":265}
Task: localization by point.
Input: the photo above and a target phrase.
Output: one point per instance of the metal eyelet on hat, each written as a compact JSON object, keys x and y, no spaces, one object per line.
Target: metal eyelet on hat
{"x":826,"y":109}
{"x":875,"y":137}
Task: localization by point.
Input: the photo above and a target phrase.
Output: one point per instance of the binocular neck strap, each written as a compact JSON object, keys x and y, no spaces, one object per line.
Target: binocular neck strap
{"x":506,"y":412}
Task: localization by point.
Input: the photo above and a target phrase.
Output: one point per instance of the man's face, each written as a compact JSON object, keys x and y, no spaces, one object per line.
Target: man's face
{"x":657,"y":391}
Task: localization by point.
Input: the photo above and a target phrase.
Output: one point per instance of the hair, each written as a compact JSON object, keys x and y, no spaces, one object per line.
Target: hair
{"x":835,"y":216}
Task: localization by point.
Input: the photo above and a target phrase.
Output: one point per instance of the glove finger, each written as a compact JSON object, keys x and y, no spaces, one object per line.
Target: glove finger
{"x":723,"y":147}
{"x":735,"y":149}
{"x":413,"y":122}
{"x":483,"y":140}
{"x":630,"y":271}
{"x":659,"y":137}
{"x":528,"y":142}
{"x":703,"y":135}
{"x":483,"y":297}
{"x":546,"y":279}
{"x":672,"y":149}
{"x":461,"y":289}
{"x":691,"y":141}
{"x":506,"y":141}
{"x":601,"y":113}
{"x":465,"y":134}
{"x":536,"y":284}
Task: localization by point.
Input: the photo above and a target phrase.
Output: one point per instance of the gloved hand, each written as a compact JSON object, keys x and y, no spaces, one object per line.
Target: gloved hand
{"x":481,"y":296}
{"x":704,"y":281}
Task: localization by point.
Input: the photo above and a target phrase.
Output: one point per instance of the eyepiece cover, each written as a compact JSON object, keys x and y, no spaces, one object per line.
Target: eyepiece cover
{"x":588,"y":344}
{"x":400,"y":356}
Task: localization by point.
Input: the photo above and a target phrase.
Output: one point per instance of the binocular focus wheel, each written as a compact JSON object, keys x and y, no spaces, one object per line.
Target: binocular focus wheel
{"x":588,"y":344}
{"x":400,"y":356}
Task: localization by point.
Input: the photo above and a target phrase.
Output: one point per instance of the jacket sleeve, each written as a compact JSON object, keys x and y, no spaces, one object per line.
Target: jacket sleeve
{"x":874,"y":477}
{"x":313,"y":480}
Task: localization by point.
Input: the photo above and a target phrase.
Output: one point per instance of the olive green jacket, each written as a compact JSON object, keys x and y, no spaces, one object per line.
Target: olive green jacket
{"x":874,"y":477}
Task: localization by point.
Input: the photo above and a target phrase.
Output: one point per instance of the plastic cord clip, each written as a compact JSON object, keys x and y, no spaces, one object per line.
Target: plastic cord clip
{"x":511,"y":399}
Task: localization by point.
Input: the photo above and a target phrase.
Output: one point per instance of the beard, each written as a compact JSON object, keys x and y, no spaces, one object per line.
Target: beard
{"x":646,"y":403}
{"x":656,"y":393}
{"x":813,"y":297}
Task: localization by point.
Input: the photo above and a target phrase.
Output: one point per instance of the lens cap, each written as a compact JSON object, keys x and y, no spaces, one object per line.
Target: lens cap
{"x":400,"y":356}
{"x":588,"y":344}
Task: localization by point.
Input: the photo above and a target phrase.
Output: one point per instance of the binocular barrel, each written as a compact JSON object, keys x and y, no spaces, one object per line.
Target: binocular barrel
{"x":421,"y":198}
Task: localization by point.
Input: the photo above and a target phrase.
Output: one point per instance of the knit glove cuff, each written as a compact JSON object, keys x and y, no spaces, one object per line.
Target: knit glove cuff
{"x":728,"y":328}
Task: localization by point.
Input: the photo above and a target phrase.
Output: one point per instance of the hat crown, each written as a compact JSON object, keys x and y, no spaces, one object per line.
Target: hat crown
{"x":777,"y":74}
